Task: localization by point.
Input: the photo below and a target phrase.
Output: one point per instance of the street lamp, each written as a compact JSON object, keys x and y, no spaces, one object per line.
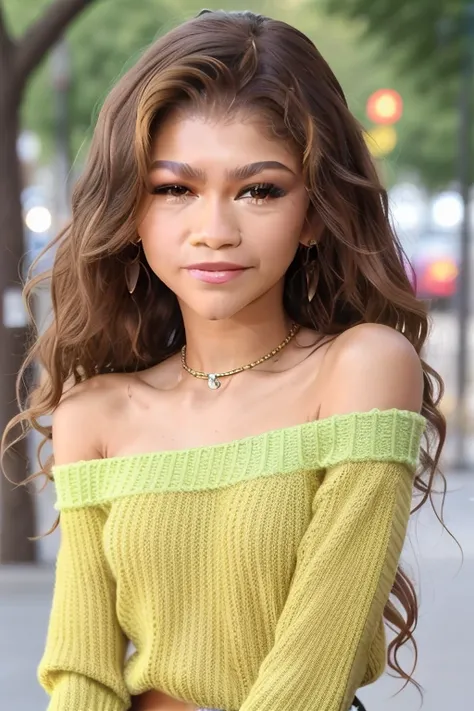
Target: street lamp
{"x":38,"y":219}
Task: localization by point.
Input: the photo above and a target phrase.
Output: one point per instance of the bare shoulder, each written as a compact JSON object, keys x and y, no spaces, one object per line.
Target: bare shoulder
{"x":372,"y":366}
{"x":78,"y":422}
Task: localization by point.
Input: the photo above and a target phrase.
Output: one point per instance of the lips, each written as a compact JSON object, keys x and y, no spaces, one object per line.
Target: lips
{"x":216,"y":267}
{"x":216,"y":272}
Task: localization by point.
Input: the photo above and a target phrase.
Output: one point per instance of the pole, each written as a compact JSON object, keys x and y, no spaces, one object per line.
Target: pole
{"x":465,"y":157}
{"x":61,"y":77}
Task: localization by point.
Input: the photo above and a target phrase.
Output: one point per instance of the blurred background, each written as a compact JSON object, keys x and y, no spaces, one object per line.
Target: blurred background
{"x":408,"y":74}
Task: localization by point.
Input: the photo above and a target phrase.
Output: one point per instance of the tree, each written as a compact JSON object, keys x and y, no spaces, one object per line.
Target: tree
{"x":104,"y":41}
{"x":98,"y":58}
{"x":18,"y":59}
{"x":359,"y":58}
{"x":425,"y":42}
{"x":102,"y":44}
{"x":426,"y":34}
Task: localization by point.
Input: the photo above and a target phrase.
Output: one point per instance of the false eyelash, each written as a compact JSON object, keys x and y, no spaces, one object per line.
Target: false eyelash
{"x":273,"y":190}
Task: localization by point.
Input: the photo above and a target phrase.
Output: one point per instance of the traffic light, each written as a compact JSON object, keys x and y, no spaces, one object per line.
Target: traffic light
{"x":381,"y":140}
{"x":384,"y":106}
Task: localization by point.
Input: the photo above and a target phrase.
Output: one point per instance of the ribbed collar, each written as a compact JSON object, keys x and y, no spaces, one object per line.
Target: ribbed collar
{"x":378,"y":435}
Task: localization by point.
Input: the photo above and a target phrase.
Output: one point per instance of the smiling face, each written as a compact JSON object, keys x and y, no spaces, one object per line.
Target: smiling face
{"x":222,"y":193}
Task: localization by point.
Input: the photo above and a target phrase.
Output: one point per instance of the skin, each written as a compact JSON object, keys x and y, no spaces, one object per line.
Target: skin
{"x":215,"y":218}
{"x":219,"y":218}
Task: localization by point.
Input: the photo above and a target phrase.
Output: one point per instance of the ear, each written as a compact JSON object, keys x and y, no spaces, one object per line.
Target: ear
{"x":313,"y":229}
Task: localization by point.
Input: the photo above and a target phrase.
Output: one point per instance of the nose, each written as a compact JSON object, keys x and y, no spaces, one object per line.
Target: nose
{"x":216,"y":225}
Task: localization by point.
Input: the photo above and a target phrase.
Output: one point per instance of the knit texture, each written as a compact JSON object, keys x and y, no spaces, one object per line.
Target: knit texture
{"x":250,"y":575}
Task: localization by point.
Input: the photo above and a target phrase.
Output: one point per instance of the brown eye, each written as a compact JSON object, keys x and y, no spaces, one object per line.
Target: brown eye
{"x":259,"y":193}
{"x":170,"y":190}
{"x":263,"y":191}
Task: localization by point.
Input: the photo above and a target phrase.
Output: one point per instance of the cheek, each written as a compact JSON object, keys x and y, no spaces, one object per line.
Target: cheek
{"x":279,"y":236}
{"x":157,"y":243}
{"x":151,"y":224}
{"x":158,"y":231}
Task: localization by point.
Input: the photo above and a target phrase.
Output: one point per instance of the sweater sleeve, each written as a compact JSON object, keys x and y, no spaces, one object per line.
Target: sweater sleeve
{"x":82,"y":665}
{"x":345,"y":569}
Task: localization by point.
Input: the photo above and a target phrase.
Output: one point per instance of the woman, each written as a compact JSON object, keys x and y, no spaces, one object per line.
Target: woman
{"x":235,"y":459}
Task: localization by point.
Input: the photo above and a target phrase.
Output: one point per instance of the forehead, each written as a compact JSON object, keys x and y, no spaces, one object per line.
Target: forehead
{"x":198,"y":139}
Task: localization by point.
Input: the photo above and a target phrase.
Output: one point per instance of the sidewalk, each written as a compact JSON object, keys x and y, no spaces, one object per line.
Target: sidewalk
{"x":26,"y":579}
{"x":25,"y":600}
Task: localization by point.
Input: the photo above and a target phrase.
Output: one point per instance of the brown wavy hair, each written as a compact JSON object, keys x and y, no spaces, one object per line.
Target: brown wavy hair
{"x":228,"y":62}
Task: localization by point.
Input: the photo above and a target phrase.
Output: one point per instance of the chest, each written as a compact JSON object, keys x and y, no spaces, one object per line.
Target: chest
{"x":180,"y":420}
{"x":251,"y":526}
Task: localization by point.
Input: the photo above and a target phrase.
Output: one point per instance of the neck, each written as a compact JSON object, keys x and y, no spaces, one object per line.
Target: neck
{"x":219,"y":346}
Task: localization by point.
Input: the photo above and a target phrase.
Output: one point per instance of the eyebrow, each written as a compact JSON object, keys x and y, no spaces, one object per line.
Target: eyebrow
{"x":184,"y":170}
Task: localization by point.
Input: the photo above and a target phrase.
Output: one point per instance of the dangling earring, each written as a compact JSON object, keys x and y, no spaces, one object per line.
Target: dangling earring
{"x":132,"y":272}
{"x":311,"y":273}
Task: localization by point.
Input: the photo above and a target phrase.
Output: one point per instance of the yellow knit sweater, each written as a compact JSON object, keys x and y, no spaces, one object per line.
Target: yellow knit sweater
{"x":248,"y":576}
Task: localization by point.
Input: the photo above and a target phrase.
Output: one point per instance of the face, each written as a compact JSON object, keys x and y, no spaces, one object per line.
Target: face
{"x":224,"y":217}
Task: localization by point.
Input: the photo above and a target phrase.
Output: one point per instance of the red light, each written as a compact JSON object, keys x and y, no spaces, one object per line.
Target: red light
{"x":384,"y":106}
{"x":443,"y":271}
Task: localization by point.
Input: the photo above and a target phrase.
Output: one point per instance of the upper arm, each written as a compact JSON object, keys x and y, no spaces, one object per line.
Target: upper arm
{"x":75,"y":426}
{"x":372,"y":367}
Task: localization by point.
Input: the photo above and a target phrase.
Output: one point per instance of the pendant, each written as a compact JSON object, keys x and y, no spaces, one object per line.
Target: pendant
{"x":213,"y":382}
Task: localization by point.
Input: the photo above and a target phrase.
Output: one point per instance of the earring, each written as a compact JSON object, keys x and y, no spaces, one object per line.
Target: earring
{"x":311,"y":285}
{"x":311,"y":273}
{"x":132,"y":272}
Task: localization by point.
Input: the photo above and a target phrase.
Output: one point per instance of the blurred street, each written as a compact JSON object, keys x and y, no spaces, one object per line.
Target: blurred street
{"x":441,"y":354}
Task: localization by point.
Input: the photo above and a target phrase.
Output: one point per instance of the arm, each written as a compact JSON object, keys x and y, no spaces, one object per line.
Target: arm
{"x":348,"y":557}
{"x":85,"y":649}
{"x":346,"y":565}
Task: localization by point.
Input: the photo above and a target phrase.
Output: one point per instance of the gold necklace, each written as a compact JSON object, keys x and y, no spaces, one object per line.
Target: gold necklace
{"x":213,"y":378}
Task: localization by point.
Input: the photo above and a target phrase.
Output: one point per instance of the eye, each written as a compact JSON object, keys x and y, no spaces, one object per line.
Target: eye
{"x":172,"y":191}
{"x":263,"y":192}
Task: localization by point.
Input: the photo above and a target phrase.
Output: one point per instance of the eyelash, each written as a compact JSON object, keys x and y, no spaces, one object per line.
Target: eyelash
{"x":274,"y":192}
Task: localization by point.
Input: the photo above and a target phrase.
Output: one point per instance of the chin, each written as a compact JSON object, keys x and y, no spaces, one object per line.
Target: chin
{"x":216,"y":314}
{"x":218,"y":311}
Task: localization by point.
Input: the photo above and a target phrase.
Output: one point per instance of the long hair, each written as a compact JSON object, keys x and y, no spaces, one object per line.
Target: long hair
{"x":227,"y":62}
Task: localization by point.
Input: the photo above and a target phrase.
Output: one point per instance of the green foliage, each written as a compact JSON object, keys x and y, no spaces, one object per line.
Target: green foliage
{"x":102,"y":42}
{"x":106,"y":39}
{"x":426,"y":42}
{"x":429,"y":33}
{"x":371,"y":50}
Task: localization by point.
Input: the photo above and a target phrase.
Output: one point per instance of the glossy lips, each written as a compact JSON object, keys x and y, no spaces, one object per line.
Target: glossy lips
{"x":216,"y":272}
